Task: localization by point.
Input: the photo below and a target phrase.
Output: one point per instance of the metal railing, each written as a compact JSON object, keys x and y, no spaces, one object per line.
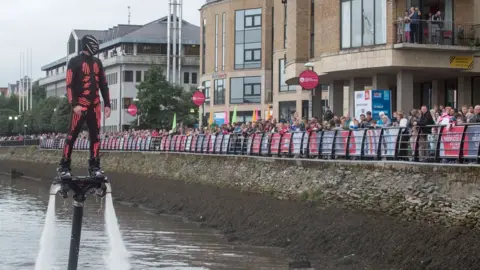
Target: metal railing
{"x":438,"y":33}
{"x":16,"y":143}
{"x":456,"y":144}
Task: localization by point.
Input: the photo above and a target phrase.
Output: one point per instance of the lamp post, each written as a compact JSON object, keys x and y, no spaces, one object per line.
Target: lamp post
{"x":25,"y":135}
{"x":13,"y":118}
{"x":138,"y":115}
{"x":201,"y":111}
{"x":310,"y":65}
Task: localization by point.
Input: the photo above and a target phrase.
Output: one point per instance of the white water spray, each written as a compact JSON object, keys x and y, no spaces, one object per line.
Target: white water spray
{"x":117,"y":259}
{"x":46,"y":254}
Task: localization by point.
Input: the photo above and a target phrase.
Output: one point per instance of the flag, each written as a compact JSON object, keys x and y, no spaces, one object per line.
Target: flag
{"x":234,"y":117}
{"x":174,"y":123}
{"x":268,"y":113}
{"x":210,"y":119}
{"x":227,"y":114}
{"x":254,"y":115}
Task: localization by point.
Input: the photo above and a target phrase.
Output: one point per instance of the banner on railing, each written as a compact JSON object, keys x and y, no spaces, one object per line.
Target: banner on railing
{"x":455,"y":142}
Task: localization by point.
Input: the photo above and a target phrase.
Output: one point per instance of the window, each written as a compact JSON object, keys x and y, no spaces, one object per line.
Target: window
{"x":204,"y":44}
{"x":206,"y":91}
{"x":248,"y":38}
{"x":363,"y":23}
{"x":216,"y":42}
{"x":223,"y":41}
{"x":112,"y":78}
{"x":245,"y":90}
{"x":286,"y":109}
{"x":138,"y":76}
{"x":128,"y":76}
{"x":113,"y":104}
{"x":281,"y":77}
{"x":186,"y":77}
{"x":127,"y":102}
{"x":219,"y":94}
{"x":194,"y":78}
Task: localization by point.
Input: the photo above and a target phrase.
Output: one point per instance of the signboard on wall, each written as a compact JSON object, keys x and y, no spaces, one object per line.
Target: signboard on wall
{"x":219,"y":118}
{"x":375,"y":101}
{"x":381,"y":102}
{"x":363,"y":102}
{"x":465,"y":62}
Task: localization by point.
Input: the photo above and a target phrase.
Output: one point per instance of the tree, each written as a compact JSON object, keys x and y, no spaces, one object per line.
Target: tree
{"x":158,"y":100}
{"x":61,"y":117}
{"x":38,"y":93}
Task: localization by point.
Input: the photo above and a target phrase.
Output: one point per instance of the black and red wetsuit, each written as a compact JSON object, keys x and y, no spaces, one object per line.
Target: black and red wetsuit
{"x":85,"y":79}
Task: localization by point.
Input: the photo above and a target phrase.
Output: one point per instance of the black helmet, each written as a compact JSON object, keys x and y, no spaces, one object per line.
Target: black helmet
{"x":90,"y":44}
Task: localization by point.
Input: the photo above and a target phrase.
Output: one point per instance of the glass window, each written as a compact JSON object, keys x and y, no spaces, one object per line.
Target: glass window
{"x":128,"y":76}
{"x":281,"y":78}
{"x":219,"y":94}
{"x":346,"y":23}
{"x":194,"y":78}
{"x":223,"y":40}
{"x":138,"y":76}
{"x":186,"y":77}
{"x":368,"y":22}
{"x":216,"y":42}
{"x":206,"y":91}
{"x":357,"y":23}
{"x":245,"y":90}
{"x":363,"y":23}
{"x":380,"y":22}
{"x":248,"y":38}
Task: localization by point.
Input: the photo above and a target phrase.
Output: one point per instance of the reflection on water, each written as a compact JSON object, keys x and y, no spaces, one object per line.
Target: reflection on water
{"x":155,"y":242}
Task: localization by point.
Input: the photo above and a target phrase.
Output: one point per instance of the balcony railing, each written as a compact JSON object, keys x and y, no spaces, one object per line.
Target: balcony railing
{"x":439,"y":33}
{"x":52,"y":79}
{"x":148,"y":59}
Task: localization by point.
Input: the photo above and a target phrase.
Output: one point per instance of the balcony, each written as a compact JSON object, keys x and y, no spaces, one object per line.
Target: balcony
{"x":439,"y":36}
{"x":52,"y":79}
{"x":148,"y":59}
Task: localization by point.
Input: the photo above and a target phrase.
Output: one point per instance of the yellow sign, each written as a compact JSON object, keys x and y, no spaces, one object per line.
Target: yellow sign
{"x":461,"y":62}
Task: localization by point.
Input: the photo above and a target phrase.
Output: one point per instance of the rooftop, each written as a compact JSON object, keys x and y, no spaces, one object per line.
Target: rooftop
{"x":154,"y":32}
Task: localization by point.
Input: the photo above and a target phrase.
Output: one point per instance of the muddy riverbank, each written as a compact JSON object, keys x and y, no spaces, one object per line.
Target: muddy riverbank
{"x":333,"y":236}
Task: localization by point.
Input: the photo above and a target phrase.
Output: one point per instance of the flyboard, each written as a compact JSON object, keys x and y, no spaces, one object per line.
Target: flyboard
{"x":80,"y":187}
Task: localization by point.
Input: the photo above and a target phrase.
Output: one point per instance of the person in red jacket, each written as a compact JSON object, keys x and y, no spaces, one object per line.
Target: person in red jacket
{"x":85,"y":81}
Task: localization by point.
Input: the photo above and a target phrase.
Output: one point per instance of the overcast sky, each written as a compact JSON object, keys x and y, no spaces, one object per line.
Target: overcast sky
{"x":45,"y":25}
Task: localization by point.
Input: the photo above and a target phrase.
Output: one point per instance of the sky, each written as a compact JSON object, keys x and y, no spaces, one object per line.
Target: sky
{"x":43,"y":26}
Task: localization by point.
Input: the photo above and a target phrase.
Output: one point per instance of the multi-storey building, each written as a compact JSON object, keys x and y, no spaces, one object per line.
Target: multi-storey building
{"x":252,"y":53}
{"x":127,"y":51}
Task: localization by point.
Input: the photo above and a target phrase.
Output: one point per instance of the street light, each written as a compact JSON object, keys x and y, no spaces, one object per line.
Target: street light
{"x":138,"y":115}
{"x":25,"y":135}
{"x":309,"y":64}
{"x":202,"y":111}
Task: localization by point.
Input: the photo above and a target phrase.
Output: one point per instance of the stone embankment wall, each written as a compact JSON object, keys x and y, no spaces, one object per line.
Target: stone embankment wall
{"x":436,"y":193}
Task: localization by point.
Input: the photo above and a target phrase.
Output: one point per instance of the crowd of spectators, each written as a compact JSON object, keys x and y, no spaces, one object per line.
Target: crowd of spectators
{"x":415,"y":123}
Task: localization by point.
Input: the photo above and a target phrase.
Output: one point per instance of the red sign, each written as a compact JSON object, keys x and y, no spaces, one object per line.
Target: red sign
{"x":308,"y":79}
{"x":132,"y":109}
{"x":198,"y":98}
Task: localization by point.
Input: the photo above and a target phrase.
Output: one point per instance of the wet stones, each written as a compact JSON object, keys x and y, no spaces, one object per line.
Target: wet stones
{"x":432,"y":193}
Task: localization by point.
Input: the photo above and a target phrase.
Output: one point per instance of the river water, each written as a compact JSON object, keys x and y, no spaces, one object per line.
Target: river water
{"x":155,"y":242}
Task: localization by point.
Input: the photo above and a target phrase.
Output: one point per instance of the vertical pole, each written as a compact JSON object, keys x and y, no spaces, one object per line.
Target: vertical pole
{"x":31,"y":83}
{"x":19,"y":86}
{"x":174,"y":43}
{"x":169,"y":26}
{"x":180,"y":50}
{"x":76,"y":235}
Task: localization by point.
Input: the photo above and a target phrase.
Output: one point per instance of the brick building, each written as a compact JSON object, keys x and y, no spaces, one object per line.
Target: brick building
{"x":253,"y":51}
{"x":4,"y":91}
